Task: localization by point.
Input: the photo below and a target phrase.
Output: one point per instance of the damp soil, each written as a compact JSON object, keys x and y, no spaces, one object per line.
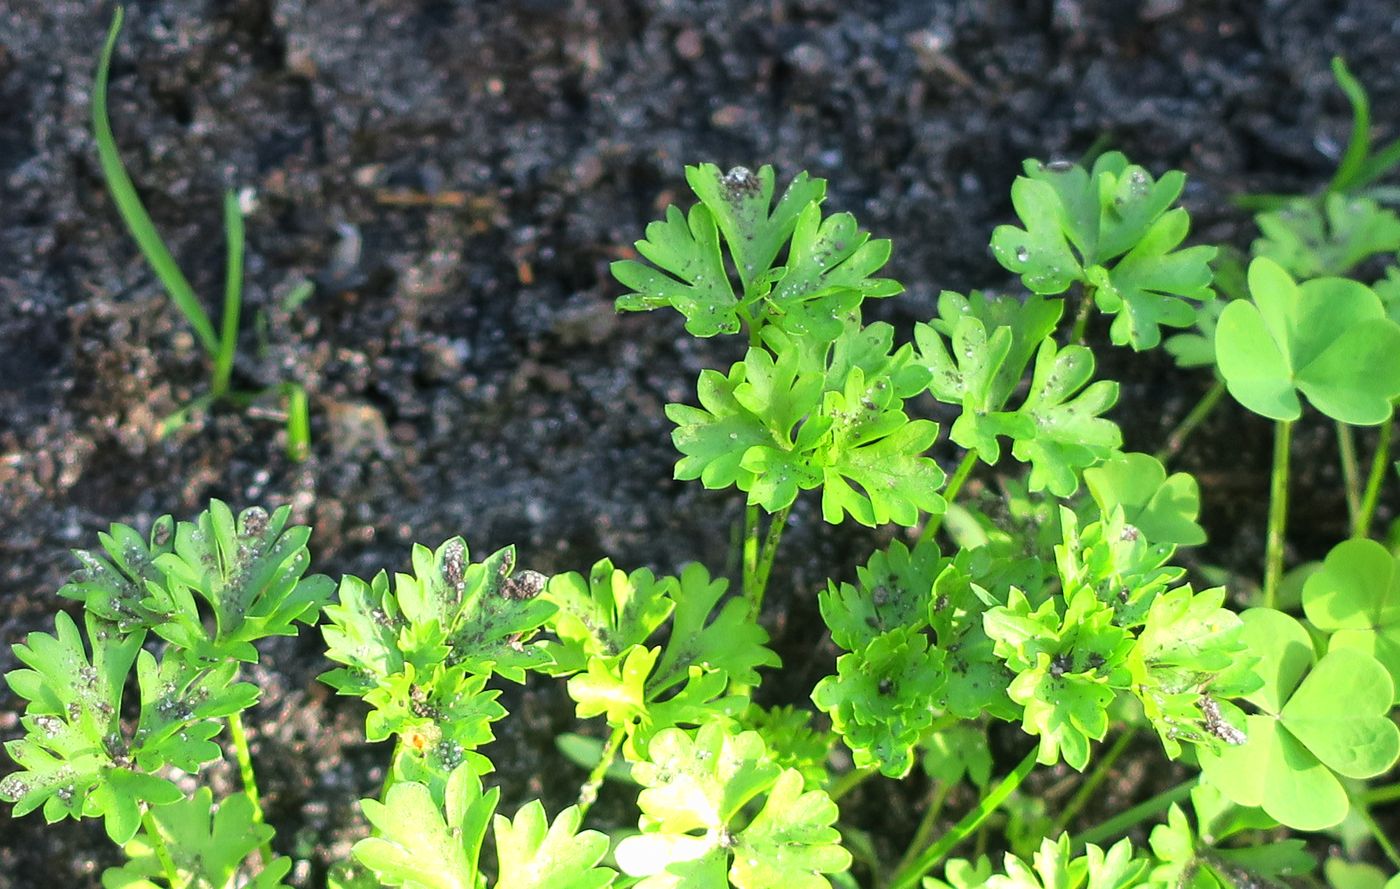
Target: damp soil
{"x":454,"y":178}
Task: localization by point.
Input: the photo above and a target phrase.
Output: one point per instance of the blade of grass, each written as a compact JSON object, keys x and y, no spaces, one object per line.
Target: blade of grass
{"x":1359,"y":143}
{"x":298,"y":423}
{"x":233,"y":295}
{"x":137,"y":220}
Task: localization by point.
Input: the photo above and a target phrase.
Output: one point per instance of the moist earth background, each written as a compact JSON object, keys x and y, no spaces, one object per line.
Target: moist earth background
{"x":455,"y":177}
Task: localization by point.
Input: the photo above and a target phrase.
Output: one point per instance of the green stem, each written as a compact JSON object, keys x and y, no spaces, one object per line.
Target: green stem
{"x":298,"y":423}
{"x":391,"y":769}
{"x":588,"y":793}
{"x":750,"y":555}
{"x":1278,"y":513}
{"x":926,"y":825}
{"x":848,"y":782}
{"x":1379,"y":796}
{"x":908,"y":877}
{"x":233,"y":295}
{"x":1379,"y":465}
{"x":1081,"y":318}
{"x":245,"y":772}
{"x":950,"y":493}
{"x":167,"y":864}
{"x":1093,"y":782}
{"x":1137,"y":814}
{"x":1351,"y":471}
{"x":776,"y":524}
{"x":1381,"y":839}
{"x":1194,"y":418}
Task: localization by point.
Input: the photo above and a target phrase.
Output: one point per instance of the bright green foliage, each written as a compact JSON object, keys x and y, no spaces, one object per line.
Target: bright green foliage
{"x":827,"y":271}
{"x":1342,"y":874}
{"x":1327,"y":338}
{"x":694,"y":830}
{"x":958,"y":752}
{"x":879,"y":698}
{"x":1122,"y":567}
{"x":791,"y":419}
{"x":1355,"y":597}
{"x":533,"y":853}
{"x":1065,"y":408}
{"x":122,"y":584}
{"x":421,"y":652}
{"x":604,"y":614}
{"x":1193,"y":857}
{"x":1069,"y":659}
{"x":1111,"y":229}
{"x":1054,"y":866}
{"x":1309,"y":241}
{"x":1196,"y":348}
{"x":1162,"y":509}
{"x":1317,"y":719}
{"x":791,"y":740}
{"x":893,"y":590}
{"x":207,"y":845}
{"x":75,"y":759}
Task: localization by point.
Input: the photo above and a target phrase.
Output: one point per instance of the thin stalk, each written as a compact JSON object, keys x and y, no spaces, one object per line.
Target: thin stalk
{"x":1137,"y":814}
{"x":927,"y":823}
{"x":908,"y":877}
{"x":1081,"y":318}
{"x":390,"y":771}
{"x":245,"y":772}
{"x":765,"y":558}
{"x":1194,"y":418}
{"x":1351,"y":470}
{"x":167,"y":864}
{"x":233,"y":295}
{"x":1381,"y":839}
{"x":750,"y":555}
{"x":588,"y":793}
{"x":298,"y":423}
{"x":1093,"y":782}
{"x":1379,"y":796}
{"x":1380,"y":463}
{"x":950,"y":493}
{"x":848,"y":782}
{"x":1278,"y":513}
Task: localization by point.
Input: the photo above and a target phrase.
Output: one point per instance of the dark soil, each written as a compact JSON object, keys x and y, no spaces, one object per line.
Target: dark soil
{"x":455,"y":178}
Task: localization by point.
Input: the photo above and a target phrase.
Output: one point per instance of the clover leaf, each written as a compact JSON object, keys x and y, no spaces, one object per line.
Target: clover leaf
{"x":1163,"y":509}
{"x":1317,"y":719}
{"x":1312,"y":241}
{"x":1355,"y":596}
{"x":696,"y":790}
{"x":1328,"y":339}
{"x":1065,"y":408}
{"x":1111,"y":229}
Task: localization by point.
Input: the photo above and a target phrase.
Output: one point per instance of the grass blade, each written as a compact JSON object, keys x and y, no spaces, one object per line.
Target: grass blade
{"x":233,"y":295}
{"x":137,"y":220}
{"x":1359,"y":145}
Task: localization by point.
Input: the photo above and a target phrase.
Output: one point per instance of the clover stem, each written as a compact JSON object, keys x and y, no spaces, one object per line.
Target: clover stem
{"x":1093,"y":782}
{"x":1379,"y":464}
{"x":588,"y":793}
{"x":1176,"y":440}
{"x":245,"y":772}
{"x":1278,"y":513}
{"x":167,"y":864}
{"x":848,"y":782}
{"x":926,"y":824}
{"x":950,"y":493}
{"x":1351,"y":472}
{"x":1081,"y":318}
{"x":765,"y":559}
{"x":1137,"y":814}
{"x":1381,"y":795}
{"x":1381,"y":839}
{"x":908,"y":877}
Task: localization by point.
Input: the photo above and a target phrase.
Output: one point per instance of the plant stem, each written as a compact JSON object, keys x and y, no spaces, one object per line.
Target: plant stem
{"x":588,"y":793}
{"x":750,"y":554}
{"x":389,"y":771}
{"x":950,"y":493}
{"x":233,"y":296}
{"x":245,"y":772}
{"x":1381,"y":839}
{"x":1278,"y":513}
{"x":1378,"y":796}
{"x":926,"y":824}
{"x":1379,"y":464}
{"x":1351,"y":472}
{"x":1093,"y":782}
{"x":908,"y":877}
{"x":1141,"y":812}
{"x":1176,"y":440}
{"x":167,"y":864}
{"x":298,"y":423}
{"x":776,"y":524}
{"x":1081,"y":318}
{"x":848,"y":782}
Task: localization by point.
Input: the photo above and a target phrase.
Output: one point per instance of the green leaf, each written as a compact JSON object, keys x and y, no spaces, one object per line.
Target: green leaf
{"x":123,"y":584}
{"x":535,"y":854}
{"x":711,"y":636}
{"x":1065,"y":408}
{"x":690,"y":275}
{"x":605,"y":613}
{"x":693,"y":831}
{"x":740,"y":203}
{"x":1312,"y":241}
{"x":714,"y":437}
{"x":1355,"y":597}
{"x":415,"y":846}
{"x":1312,"y":723}
{"x":1163,"y":509}
{"x":892,"y":591}
{"x":1328,"y":339}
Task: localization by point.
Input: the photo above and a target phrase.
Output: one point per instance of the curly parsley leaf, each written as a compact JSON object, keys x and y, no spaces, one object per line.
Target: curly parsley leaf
{"x":605,"y":613}
{"x":689,"y":276}
{"x":1069,"y":432}
{"x":420,"y":847}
